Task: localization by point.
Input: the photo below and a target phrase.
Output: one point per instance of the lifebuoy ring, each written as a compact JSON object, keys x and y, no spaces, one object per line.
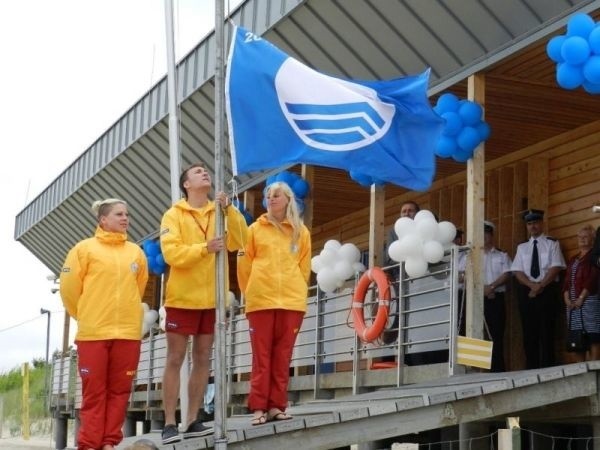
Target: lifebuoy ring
{"x":365,"y":333}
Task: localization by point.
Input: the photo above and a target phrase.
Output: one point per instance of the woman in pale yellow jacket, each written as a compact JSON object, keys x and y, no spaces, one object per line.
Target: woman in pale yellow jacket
{"x":273,"y":274}
{"x":101,"y":284}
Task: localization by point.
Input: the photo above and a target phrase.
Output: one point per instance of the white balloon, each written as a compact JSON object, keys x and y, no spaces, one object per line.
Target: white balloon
{"x":396,"y":251}
{"x":427,"y":228}
{"x":350,"y":252}
{"x":433,"y":251}
{"x":162,"y":314}
{"x":358,"y":267}
{"x":150,"y":317}
{"x":231,"y":300}
{"x":404,"y":226}
{"x":145,"y":329}
{"x":329,"y":257}
{"x":145,"y":307}
{"x":415,"y":267}
{"x":446,"y":232}
{"x":327,"y":279}
{"x":411,"y":245}
{"x":424,"y":214}
{"x":343,"y":269}
{"x":332,"y":244}
{"x":316,"y":263}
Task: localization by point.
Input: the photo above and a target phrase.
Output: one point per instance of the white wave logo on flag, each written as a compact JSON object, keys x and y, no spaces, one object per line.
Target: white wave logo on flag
{"x":328,"y":113}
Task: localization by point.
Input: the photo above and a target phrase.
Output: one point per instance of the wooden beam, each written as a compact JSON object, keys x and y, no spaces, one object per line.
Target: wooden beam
{"x":308,"y":173}
{"x":474,"y":279}
{"x":377,"y":226}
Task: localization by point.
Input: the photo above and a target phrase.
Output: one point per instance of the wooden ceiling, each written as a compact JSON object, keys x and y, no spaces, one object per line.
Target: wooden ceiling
{"x":523,"y":105}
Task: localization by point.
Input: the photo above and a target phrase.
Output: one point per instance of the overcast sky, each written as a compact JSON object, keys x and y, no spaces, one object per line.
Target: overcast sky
{"x":70,"y":69}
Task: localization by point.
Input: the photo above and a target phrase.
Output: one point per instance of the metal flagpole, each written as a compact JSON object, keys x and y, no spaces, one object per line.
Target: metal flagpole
{"x":220,"y":434}
{"x":175,"y":169}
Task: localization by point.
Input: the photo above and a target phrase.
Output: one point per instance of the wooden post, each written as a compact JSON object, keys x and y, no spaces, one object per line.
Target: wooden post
{"x":475,"y":215}
{"x":25,"y":401}
{"x":376,"y":226}
{"x":510,"y":438}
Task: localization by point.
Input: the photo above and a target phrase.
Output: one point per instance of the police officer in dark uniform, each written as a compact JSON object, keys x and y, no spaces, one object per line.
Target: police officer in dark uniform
{"x":536,"y":267}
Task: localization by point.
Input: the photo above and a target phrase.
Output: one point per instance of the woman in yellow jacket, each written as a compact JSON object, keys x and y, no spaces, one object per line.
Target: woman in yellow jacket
{"x":273,"y":274}
{"x":101,"y":284}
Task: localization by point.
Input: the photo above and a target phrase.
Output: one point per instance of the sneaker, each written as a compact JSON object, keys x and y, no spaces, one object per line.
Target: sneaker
{"x":196,"y":429}
{"x":170,"y":433}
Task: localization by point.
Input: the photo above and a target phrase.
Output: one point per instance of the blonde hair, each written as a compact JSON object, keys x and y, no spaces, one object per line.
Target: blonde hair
{"x":291,"y":211}
{"x":104,"y":207}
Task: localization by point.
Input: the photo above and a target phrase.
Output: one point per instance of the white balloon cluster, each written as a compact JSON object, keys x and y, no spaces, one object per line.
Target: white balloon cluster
{"x":335,"y":264}
{"x":420,"y":241}
{"x":149,"y":318}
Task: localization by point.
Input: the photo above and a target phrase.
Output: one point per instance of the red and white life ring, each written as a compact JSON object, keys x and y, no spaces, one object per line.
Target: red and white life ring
{"x":370,"y":333}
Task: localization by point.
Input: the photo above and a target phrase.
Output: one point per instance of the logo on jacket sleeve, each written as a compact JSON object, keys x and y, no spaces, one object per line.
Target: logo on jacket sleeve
{"x":134,"y":267}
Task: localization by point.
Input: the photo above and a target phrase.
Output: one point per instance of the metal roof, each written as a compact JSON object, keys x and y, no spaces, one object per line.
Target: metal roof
{"x":368,"y":39}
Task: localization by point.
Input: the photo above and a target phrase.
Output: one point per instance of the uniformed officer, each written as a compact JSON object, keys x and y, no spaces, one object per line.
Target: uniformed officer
{"x":496,"y":268}
{"x":537,"y":265}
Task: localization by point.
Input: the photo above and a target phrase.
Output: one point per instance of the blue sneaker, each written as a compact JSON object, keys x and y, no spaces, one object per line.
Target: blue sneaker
{"x":196,"y":429}
{"x":169,"y":434}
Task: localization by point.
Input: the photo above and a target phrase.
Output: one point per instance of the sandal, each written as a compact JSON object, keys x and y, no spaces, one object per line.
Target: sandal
{"x":277,"y":414}
{"x":259,"y":419}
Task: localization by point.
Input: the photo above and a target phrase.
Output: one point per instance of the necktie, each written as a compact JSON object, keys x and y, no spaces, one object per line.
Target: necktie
{"x":535,"y":261}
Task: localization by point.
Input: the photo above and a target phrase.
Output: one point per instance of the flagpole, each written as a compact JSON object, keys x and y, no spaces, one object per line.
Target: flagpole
{"x":175,"y":169}
{"x":220,"y":433}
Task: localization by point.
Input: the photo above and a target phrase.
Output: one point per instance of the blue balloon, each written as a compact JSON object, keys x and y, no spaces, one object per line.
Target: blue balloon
{"x":553,"y":48}
{"x":453,"y":123}
{"x":447,"y":102}
{"x":568,"y":76}
{"x":446,"y":146}
{"x":484,"y":131}
{"x":591,"y":69}
{"x":361,"y":178}
{"x":580,"y":25}
{"x":287,"y":178}
{"x":470,"y":113}
{"x":591,"y":88}
{"x":300,"y":205}
{"x":462,"y":156}
{"x":248,"y":217}
{"x":160,"y":260}
{"x":151,"y":248}
{"x":594,"y":40}
{"x":270,"y":180}
{"x":300,"y":188}
{"x":575,"y":50}
{"x":468,"y":139}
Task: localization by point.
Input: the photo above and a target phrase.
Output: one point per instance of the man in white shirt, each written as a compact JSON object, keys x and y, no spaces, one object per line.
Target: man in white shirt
{"x":536,"y":266}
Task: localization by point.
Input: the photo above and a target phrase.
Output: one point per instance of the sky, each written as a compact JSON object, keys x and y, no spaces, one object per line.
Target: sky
{"x":70,"y":69}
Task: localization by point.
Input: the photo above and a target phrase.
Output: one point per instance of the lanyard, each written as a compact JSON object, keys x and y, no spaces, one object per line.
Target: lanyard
{"x":203,"y":229}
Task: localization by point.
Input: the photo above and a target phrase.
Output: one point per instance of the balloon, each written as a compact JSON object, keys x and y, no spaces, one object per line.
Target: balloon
{"x":445,"y":146}
{"x":333,"y":244}
{"x":162,"y":314}
{"x":575,"y":50}
{"x":554,"y":47}
{"x":446,"y":232}
{"x":433,"y":251}
{"x":468,"y":139}
{"x":427,"y":228}
{"x":415,"y":267}
{"x":591,"y":69}
{"x":462,"y":156}
{"x":484,"y":131}
{"x":424,"y":214}
{"x":591,"y":88}
{"x":316,"y":263}
{"x":343,"y":269}
{"x":350,"y":253}
{"x":145,"y":307}
{"x":287,"y":178}
{"x":151,"y":248}
{"x":569,"y":76}
{"x":470,"y":113}
{"x":300,"y":188}
{"x":145,"y":329}
{"x":327,"y":279}
{"x":150,"y":317}
{"x":594,"y":40}
{"x":580,"y":25}
{"x":411,"y":245}
{"x":396,"y":251}
{"x":454,"y":123}
{"x":359,"y":267}
{"x":299,"y":205}
{"x":447,"y":102}
{"x":404,"y":226}
{"x":329,"y":257}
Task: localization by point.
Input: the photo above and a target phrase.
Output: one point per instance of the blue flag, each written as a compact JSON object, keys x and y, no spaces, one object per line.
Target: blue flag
{"x":280,"y":111}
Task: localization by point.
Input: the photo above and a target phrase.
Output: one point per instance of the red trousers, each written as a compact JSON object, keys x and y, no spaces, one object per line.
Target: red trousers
{"x":272,"y":336}
{"x":107,"y":369}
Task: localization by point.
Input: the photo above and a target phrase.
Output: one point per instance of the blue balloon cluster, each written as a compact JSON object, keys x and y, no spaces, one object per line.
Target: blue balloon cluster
{"x":242,"y":208}
{"x":365,"y":180}
{"x":156,"y":261}
{"x":464,"y":129}
{"x":577,"y":54}
{"x":297,"y":184}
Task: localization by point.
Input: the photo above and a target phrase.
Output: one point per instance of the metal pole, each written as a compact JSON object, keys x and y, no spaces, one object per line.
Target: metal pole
{"x":175,"y":169}
{"x":220,"y":434}
{"x":46,"y":372}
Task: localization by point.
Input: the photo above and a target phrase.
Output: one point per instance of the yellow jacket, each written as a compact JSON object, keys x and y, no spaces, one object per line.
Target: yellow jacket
{"x":184,"y":234}
{"x":102,"y":283}
{"x":271,"y":274}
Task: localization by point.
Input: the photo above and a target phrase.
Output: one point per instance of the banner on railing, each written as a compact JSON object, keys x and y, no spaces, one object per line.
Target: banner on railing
{"x":474,"y":352}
